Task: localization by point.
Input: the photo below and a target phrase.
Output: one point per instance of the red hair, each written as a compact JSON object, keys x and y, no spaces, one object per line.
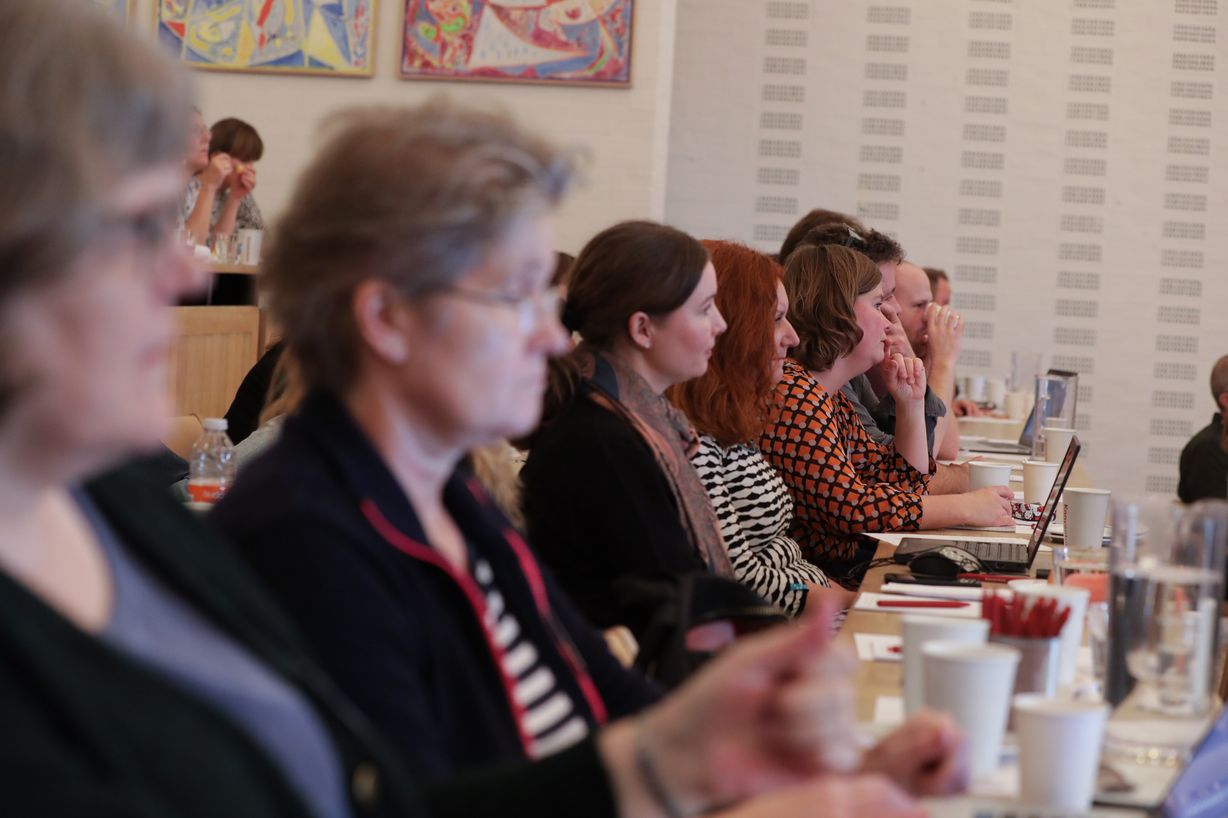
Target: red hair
{"x":730,"y":402}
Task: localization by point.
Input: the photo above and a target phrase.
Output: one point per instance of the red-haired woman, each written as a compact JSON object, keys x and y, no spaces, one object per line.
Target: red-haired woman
{"x":729,"y":406}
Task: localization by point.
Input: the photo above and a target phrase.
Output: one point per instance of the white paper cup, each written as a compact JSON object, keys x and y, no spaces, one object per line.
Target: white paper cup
{"x":917,"y":630}
{"x":1015,"y":405}
{"x":995,"y":391}
{"x":1038,"y":477}
{"x":976,"y":388}
{"x":1085,"y":513}
{"x":249,"y":243}
{"x":982,"y":474}
{"x":972,"y":683}
{"x":1059,"y":750}
{"x":1057,"y":441}
{"x":1072,"y":632}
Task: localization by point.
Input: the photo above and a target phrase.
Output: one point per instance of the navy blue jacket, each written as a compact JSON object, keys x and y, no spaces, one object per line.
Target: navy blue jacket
{"x":324,"y":523}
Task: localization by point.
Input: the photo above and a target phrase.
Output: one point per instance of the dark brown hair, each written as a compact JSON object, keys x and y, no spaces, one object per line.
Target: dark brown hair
{"x":635,"y":266}
{"x":876,"y":246}
{"x":935,"y":275}
{"x":815,"y":218}
{"x":731,"y":401}
{"x":413,"y":196}
{"x":237,"y":139}
{"x":823,"y":284}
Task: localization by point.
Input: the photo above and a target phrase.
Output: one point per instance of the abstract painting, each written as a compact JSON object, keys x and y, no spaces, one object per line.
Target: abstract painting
{"x":329,"y":37}
{"x":585,"y":42}
{"x":120,"y":9}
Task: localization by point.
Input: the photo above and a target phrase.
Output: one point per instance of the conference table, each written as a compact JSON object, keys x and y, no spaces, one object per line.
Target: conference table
{"x":880,"y":680}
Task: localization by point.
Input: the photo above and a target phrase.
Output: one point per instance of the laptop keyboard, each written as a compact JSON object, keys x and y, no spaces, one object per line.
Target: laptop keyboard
{"x":998,"y":551}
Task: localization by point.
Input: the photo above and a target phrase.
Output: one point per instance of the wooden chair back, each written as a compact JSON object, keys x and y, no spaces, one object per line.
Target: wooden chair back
{"x":214,"y":348}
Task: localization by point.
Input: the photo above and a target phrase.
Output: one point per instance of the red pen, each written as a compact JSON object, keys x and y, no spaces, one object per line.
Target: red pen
{"x":921,"y":603}
{"x":992,"y":577}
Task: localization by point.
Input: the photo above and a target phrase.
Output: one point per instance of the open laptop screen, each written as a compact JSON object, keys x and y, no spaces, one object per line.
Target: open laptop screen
{"x":1055,"y":493}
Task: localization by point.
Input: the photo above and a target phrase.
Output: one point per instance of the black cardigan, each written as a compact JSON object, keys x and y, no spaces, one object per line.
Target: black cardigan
{"x":86,"y":730}
{"x":600,"y":511}
{"x":327,"y":527}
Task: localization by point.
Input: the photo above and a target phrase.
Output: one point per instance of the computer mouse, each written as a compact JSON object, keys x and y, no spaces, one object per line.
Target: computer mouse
{"x":945,"y":561}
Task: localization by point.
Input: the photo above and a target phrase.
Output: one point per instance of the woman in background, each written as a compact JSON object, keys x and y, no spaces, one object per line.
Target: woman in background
{"x":844,"y":483}
{"x":612,"y":501}
{"x":235,"y":208}
{"x":730,"y":406}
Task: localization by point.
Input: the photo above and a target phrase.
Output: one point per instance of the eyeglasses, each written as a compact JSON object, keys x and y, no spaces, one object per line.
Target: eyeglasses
{"x":148,"y":230}
{"x":529,"y":309}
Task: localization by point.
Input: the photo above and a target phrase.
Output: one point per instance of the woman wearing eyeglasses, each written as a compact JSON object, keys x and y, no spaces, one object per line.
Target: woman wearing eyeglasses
{"x":420,"y":320}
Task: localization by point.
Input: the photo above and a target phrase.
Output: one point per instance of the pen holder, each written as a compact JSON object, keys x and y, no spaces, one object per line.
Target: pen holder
{"x":1038,"y":663}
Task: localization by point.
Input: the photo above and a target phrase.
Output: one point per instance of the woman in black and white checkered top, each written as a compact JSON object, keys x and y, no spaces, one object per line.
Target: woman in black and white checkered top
{"x":729,"y":406}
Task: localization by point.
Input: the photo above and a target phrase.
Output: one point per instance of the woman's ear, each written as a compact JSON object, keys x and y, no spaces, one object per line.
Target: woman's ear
{"x":382,"y":320}
{"x":640,"y":330}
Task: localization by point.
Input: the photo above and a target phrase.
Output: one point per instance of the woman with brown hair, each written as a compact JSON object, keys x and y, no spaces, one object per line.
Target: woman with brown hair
{"x":235,"y":208}
{"x":843,"y":482}
{"x":730,"y":406}
{"x":611,"y":498}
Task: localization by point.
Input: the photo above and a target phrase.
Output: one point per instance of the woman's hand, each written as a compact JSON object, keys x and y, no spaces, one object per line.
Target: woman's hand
{"x":988,"y":506}
{"x":904,"y":378}
{"x":927,"y":755}
{"x":832,"y":796}
{"x":774,"y":710}
{"x":217,"y":171}
{"x":242,"y":182}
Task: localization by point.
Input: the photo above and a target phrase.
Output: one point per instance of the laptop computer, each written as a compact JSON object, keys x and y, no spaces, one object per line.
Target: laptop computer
{"x":1024,"y":446}
{"x":1003,"y":557}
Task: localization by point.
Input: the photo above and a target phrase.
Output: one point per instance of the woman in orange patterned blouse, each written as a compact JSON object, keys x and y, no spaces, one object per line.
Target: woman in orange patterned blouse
{"x":843,"y":483}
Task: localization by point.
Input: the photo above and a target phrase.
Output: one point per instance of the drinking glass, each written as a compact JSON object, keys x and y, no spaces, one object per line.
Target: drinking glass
{"x":1057,"y":397}
{"x":1069,"y":561}
{"x":1166,"y":567}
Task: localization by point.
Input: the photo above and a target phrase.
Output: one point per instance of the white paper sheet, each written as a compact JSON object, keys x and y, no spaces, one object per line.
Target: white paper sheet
{"x":868,"y":601}
{"x":878,"y":647}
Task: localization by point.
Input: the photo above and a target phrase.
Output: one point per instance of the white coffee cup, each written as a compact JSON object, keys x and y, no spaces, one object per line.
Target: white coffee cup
{"x":1015,"y":405}
{"x":249,"y":242}
{"x":1057,"y":441}
{"x":995,"y":391}
{"x":1084,"y":517}
{"x":1059,"y":750}
{"x":917,"y":630}
{"x":976,"y":388}
{"x":982,"y":474}
{"x":1072,"y":632}
{"x":1038,"y":477}
{"x":973,"y":683}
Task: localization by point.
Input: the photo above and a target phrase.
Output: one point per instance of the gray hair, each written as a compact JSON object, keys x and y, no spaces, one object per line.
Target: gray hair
{"x":82,"y":104}
{"x":412,"y":196}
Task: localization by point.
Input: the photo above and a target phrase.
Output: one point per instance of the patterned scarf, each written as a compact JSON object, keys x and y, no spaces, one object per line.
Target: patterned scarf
{"x":669,"y":436}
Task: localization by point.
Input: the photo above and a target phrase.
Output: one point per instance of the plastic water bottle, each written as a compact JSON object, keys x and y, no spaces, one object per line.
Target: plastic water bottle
{"x":212,"y":465}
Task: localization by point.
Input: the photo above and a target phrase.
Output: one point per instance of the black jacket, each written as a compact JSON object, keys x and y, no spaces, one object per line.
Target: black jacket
{"x":1204,"y":465}
{"x":86,"y":730}
{"x":602,"y":514}
{"x":324,"y":523}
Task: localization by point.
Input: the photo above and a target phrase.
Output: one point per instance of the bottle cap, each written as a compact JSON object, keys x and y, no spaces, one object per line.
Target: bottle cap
{"x":215,"y":424}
